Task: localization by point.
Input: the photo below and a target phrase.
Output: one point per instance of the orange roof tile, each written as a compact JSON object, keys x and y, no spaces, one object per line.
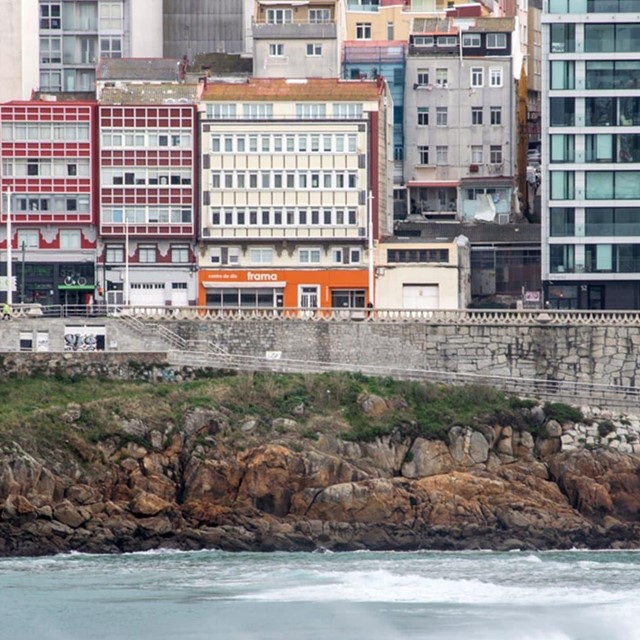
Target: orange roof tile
{"x":281,"y":89}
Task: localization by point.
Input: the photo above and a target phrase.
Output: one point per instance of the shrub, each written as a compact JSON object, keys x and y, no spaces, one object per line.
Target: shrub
{"x":562,"y":412}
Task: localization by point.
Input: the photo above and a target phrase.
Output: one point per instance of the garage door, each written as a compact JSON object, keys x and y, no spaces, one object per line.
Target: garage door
{"x":147,"y":294}
{"x":420,"y":296}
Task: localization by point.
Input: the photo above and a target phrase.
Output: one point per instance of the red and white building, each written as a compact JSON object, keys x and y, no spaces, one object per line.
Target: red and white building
{"x":147,"y":196}
{"x":48,"y":168}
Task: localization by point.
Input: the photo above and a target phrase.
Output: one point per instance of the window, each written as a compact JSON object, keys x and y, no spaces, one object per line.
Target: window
{"x":423,"y":77}
{"x":347,"y":298}
{"x":221,"y":111}
{"x":311,"y":111}
{"x":496,"y":40}
{"x":417,"y":255}
{"x":179,"y":253}
{"x":447,"y":41}
{"x":562,"y":185}
{"x":476,"y":154}
{"x":442,"y":78}
{"x":442,"y":155}
{"x":363,"y":31}
{"x":279,"y":16}
{"x":562,"y":222}
{"x":50,"y":50}
{"x":114,"y":253}
{"x":562,"y":74}
{"x":476,"y":115}
{"x":442,"y":116}
{"x":110,"y":16}
{"x":423,"y":155}
{"x":70,"y":239}
{"x":50,"y":15}
{"x":423,"y":41}
{"x":256,"y":111}
{"x":496,"y":115}
{"x":347,"y":110}
{"x":28,"y":238}
{"x":471,"y":40}
{"x":309,"y":256}
{"x":562,"y":112}
{"x":314,"y":50}
{"x":319,"y":16}
{"x":563,"y":38}
{"x":495,"y":77}
{"x":147,"y":253}
{"x":110,"y":47}
{"x":423,"y":116}
{"x":495,"y":154}
{"x":562,"y":148}
{"x":276,"y":50}
{"x":261,"y":256}
{"x":477,"y":76}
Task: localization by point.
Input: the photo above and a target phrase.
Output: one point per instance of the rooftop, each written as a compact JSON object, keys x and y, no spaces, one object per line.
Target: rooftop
{"x":165,"y":93}
{"x":221,"y":64}
{"x":139,"y":69}
{"x":478,"y":233}
{"x":280,"y":89}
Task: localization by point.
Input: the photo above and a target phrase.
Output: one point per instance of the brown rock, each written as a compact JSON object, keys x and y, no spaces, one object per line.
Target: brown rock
{"x":428,"y":458}
{"x":147,"y":504}
{"x":68,"y":515}
{"x":373,"y":405}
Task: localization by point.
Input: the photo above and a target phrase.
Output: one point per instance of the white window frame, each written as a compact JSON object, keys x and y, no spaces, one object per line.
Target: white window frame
{"x":442,"y":156}
{"x":30,"y":238}
{"x":309,"y":255}
{"x":495,"y":76}
{"x":423,"y":77}
{"x":261,"y":255}
{"x":70,"y":239}
{"x":276,"y":50}
{"x":363,"y":31}
{"x":442,"y":117}
{"x":279,"y":16}
{"x":477,"y":154}
{"x":471,"y":40}
{"x":476,"y":77}
{"x":497,"y":40}
{"x":314,"y":50}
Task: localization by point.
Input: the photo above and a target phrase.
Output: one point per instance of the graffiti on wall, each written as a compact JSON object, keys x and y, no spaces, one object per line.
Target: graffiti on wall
{"x":84,"y":338}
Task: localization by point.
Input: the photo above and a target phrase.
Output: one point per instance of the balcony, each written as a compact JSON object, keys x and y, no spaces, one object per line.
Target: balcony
{"x":294,"y":30}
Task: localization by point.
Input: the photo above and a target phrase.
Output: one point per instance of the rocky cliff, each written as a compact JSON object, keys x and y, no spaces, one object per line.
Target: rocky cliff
{"x":276,"y":486}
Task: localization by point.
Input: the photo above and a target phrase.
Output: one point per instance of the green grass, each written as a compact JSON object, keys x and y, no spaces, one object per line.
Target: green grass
{"x":32,"y":409}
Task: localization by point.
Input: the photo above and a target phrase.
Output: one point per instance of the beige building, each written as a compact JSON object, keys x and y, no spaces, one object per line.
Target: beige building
{"x":293,"y":39}
{"x":419,"y":274}
{"x":296,"y":184}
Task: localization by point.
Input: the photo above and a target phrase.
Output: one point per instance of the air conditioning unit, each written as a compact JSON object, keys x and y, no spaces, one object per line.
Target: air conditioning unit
{"x":473,"y":168}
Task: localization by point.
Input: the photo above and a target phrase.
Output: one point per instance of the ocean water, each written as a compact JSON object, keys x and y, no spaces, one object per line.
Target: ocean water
{"x":343,"y":596}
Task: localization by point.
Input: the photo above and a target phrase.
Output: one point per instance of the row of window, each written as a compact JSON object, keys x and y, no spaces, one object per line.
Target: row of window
{"x":277,"y":50}
{"x":44,"y":132}
{"x":598,"y":148}
{"x":469,"y":40}
{"x":146,"y":215}
{"x":598,"y":258}
{"x":81,"y":16}
{"x":146,"y":177}
{"x":56,"y":204}
{"x":283,"y":218}
{"x":68,"y":238}
{"x":289,"y":143}
{"x":46,"y":167}
{"x":277,"y":180}
{"x":149,"y":139}
{"x":285,"y":16}
{"x":55,"y":50}
{"x":601,"y":221}
{"x":147,"y":253}
{"x":599,"y":185}
{"x":598,"y":38}
{"x":304,"y":110}
{"x":417,"y":255}
{"x":599,"y":112}
{"x":442,"y":116}
{"x":265,"y":255}
{"x":599,"y":75}
{"x":426,"y":157}
{"x":592,"y":6}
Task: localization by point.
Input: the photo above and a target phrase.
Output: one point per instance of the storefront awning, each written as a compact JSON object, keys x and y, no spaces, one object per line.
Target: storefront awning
{"x":244,"y":285}
{"x":440,"y":183}
{"x":76,"y":287}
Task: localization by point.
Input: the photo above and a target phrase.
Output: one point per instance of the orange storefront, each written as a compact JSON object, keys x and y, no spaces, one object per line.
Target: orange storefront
{"x":290,"y":288}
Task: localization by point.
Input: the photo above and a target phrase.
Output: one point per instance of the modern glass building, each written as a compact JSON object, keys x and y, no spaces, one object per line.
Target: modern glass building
{"x":591,"y":154}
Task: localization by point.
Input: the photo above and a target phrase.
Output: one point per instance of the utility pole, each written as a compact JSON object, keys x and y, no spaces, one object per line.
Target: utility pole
{"x":24,"y":252}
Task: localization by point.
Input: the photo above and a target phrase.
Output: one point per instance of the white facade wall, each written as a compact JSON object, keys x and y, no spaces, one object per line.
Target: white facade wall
{"x":145,"y":28}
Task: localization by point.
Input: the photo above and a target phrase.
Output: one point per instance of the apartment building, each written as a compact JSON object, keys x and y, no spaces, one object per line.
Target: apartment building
{"x":49,"y":192}
{"x":148,"y":213}
{"x":460,"y":98}
{"x":294,"y":39}
{"x":296,"y":186}
{"x":55,"y":45}
{"x":591,"y":154}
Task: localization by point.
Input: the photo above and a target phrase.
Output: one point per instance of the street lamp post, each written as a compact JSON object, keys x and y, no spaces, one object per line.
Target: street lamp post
{"x":9,"y":252}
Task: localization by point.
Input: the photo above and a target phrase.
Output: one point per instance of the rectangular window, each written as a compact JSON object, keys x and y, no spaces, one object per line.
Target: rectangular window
{"x":423,"y":77}
{"x":496,"y":115}
{"x":276,"y":50}
{"x":477,"y":76}
{"x":562,"y":112}
{"x":309,"y":256}
{"x":562,"y":148}
{"x":423,"y":116}
{"x":495,"y":77}
{"x":423,"y":155}
{"x":257,"y":111}
{"x":476,"y":154}
{"x":114,"y":253}
{"x":70,"y":239}
{"x":319,"y":16}
{"x":442,"y":116}
{"x":311,"y":110}
{"x":28,"y":238}
{"x":471,"y":40}
{"x":314,"y":50}
{"x":363,"y":31}
{"x":562,"y":74}
{"x":261,"y":256}
{"x":147,"y":253}
{"x":442,"y":78}
{"x":179,"y":253}
{"x":442,"y":156}
{"x":562,"y":185}
{"x":476,"y":115}
{"x":279,"y":16}
{"x":495,"y":154}
{"x":496,"y":40}
{"x":563,"y":38}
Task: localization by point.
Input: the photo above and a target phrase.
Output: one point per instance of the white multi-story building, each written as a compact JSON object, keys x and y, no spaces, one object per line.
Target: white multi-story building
{"x":296,"y":186}
{"x":591,"y":154}
{"x":55,"y":45}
